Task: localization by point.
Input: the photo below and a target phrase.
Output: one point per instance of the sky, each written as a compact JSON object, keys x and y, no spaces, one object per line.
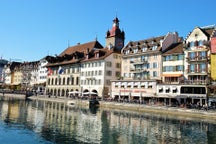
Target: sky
{"x":33,"y":29}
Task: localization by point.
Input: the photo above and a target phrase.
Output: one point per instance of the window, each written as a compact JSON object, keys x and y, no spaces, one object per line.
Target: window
{"x":144,"y":49}
{"x":131,"y":59}
{"x":59,"y":81}
{"x":118,"y":65}
{"x":127,"y":52}
{"x":108,"y":82}
{"x":154,"y":65}
{"x":154,"y":74}
{"x":100,"y":72}
{"x":72,"y":80}
{"x":144,"y":58}
{"x":203,"y":67}
{"x":160,"y":89}
{"x":200,"y":43}
{"x":191,"y":44}
{"x":99,"y":82}
{"x":167,"y":90}
{"x":115,"y":56}
{"x":118,"y":74}
{"x":180,"y":57}
{"x":203,"y":54}
{"x":192,"y":68}
{"x":135,"y":50}
{"x":77,"y":81}
{"x":108,"y":64}
{"x":192,"y":55}
{"x":63,"y":82}
{"x":109,"y":73}
{"x":179,"y":68}
{"x":154,"y":47}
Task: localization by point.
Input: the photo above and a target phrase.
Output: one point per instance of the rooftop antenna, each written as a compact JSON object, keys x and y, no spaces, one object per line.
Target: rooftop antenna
{"x":96,"y":36}
{"x":68,"y":43}
{"x":116,"y":12}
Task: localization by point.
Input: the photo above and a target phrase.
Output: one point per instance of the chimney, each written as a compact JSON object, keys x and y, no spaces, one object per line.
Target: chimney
{"x":87,"y":53}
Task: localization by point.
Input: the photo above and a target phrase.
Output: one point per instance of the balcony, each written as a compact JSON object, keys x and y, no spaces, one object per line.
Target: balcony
{"x":197,"y":71}
{"x":194,"y":82}
{"x":195,"y":59}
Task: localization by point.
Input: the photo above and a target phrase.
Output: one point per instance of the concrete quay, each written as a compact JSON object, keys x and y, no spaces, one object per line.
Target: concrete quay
{"x":11,"y":95}
{"x":140,"y":108}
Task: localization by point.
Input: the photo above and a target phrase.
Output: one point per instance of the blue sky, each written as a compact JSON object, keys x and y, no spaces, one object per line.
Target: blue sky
{"x":32,"y":29}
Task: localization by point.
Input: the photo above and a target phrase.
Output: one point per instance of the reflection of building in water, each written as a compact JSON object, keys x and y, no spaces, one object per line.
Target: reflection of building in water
{"x":89,"y":128}
{"x":4,"y":110}
{"x":56,"y":122}
{"x":153,"y":128}
{"x":36,"y":116}
{"x":65,"y":120}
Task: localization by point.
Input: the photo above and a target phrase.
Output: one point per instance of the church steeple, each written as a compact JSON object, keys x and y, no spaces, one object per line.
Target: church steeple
{"x":115,"y":36}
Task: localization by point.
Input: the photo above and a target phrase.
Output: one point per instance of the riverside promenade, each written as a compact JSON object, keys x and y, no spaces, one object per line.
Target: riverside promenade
{"x":140,"y":108}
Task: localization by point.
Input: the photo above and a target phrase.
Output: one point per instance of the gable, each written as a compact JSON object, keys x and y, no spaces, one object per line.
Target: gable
{"x":196,"y":35}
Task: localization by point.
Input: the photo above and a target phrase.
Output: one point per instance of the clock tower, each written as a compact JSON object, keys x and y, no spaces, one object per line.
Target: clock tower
{"x":115,"y":37}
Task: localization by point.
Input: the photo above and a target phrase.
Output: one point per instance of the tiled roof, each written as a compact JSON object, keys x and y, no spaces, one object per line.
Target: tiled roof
{"x":148,"y":43}
{"x":81,"y":53}
{"x":82,"y":48}
{"x":103,"y":53}
{"x":208,"y":31}
{"x":176,"y":48}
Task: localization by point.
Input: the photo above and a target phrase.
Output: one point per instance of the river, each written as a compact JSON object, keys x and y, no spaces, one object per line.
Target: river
{"x":43,"y":122}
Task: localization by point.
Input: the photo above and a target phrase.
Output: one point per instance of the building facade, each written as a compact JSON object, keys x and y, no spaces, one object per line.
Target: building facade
{"x":86,"y":69}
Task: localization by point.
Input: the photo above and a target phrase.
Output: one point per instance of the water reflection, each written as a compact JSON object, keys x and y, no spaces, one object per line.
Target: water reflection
{"x":54,"y":122}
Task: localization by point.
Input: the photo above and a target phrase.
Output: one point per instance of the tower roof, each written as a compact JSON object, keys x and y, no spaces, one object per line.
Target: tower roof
{"x":115,"y":31}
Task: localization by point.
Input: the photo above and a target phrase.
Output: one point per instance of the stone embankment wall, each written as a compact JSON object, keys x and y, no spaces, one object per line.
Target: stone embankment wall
{"x":8,"y":96}
{"x":161,"y":110}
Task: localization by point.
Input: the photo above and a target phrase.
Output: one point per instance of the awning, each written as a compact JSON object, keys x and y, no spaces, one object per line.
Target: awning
{"x":174,"y":88}
{"x":171,"y":75}
{"x":160,"y":88}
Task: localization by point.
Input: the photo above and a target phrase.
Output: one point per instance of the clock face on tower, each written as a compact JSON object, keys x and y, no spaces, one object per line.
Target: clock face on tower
{"x":119,"y":43}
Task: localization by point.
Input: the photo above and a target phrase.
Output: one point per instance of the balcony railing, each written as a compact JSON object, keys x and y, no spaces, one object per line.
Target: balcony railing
{"x":194,"y":82}
{"x":199,"y":58}
{"x":197,"y":71}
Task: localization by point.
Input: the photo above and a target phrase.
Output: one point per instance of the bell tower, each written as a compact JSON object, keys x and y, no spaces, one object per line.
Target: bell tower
{"x":115,"y":37}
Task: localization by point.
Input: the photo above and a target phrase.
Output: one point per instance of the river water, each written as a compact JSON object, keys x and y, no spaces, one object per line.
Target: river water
{"x":42,"y":122}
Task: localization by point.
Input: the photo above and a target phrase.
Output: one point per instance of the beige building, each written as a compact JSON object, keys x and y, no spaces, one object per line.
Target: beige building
{"x":86,"y":69}
{"x":142,"y":67}
{"x":197,"y":52}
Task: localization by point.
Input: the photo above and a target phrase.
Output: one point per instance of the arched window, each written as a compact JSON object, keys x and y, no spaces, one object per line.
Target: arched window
{"x":56,"y":81}
{"x":77,"y":81}
{"x":68,"y":81}
{"x":63,"y":83}
{"x":52,"y":80}
{"x":59,"y":81}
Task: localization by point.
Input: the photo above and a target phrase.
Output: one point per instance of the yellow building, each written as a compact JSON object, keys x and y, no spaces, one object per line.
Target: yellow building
{"x":213,"y":58}
{"x":213,"y":67}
